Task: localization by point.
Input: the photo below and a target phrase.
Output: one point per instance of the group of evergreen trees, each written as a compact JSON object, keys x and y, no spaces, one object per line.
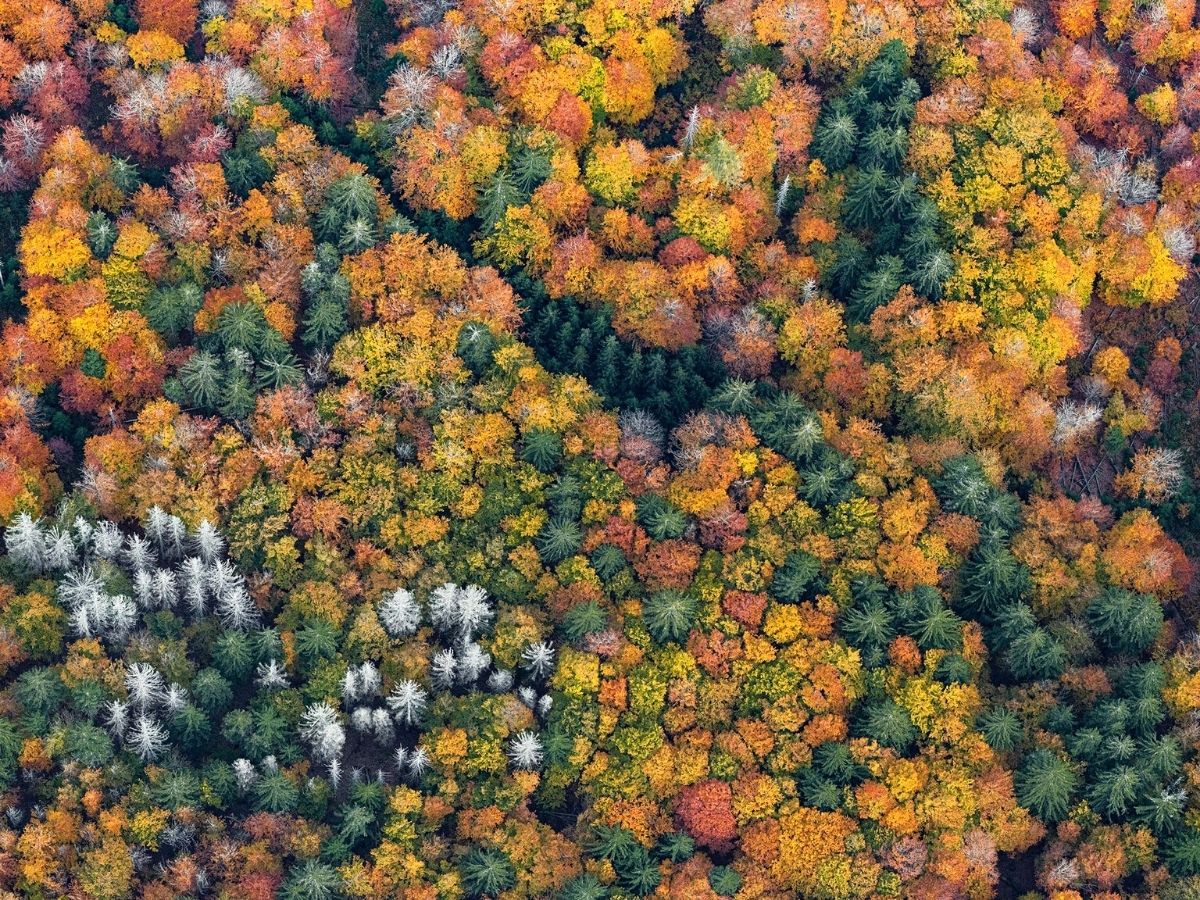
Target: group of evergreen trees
{"x":890,"y":230}
{"x":569,"y":337}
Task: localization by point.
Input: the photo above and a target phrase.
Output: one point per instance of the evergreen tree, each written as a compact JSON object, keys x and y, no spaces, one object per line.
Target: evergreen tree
{"x":542,"y":449}
{"x":669,"y":615}
{"x":559,"y":539}
{"x":797,"y":578}
{"x":1046,"y":785}
{"x":1001,"y":729}
{"x":1125,"y":622}
{"x":888,"y":724}
{"x":583,"y":619}
{"x":311,"y":880}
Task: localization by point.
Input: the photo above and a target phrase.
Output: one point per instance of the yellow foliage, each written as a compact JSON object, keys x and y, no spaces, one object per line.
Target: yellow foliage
{"x":46,"y":249}
{"x":152,"y":48}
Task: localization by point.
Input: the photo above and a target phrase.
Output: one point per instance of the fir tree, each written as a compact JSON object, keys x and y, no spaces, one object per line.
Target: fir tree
{"x":669,"y":615}
{"x":1046,"y":785}
{"x":1125,"y":622}
{"x":1001,"y":729}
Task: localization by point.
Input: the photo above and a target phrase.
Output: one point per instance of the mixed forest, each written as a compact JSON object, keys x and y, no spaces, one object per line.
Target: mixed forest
{"x":594,"y":449}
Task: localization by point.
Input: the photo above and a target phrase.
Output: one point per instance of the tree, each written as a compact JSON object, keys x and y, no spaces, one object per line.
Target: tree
{"x":669,"y":615}
{"x":486,"y":872}
{"x":888,"y":724}
{"x":559,"y":539}
{"x":705,"y":811}
{"x":1001,"y":729}
{"x":1046,"y":785}
{"x":312,"y":880}
{"x":795,"y":580}
{"x":1125,"y":622}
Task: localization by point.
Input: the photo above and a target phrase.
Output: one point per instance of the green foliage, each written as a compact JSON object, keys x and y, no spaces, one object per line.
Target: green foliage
{"x":834,"y":760}
{"x":954,"y":669}
{"x":867,"y":624}
{"x":888,"y":724}
{"x":171,"y":310}
{"x":864,"y":133}
{"x":1125,"y":622}
{"x":669,"y":615}
{"x":724,"y":881}
{"x":583,"y":887}
{"x":784,"y":423}
{"x":476,"y":347}
{"x":559,"y":539}
{"x":613,"y":843}
{"x":662,"y":520}
{"x":991,"y":579}
{"x":797,"y":578}
{"x":274,"y":792}
{"x":638,"y":873}
{"x":245,"y":170}
{"x":542,"y":449}
{"x":1001,"y":729}
{"x":1182,"y":854}
{"x":607,"y":560}
{"x":311,"y":880}
{"x":569,"y":337}
{"x":677,"y":846}
{"x":583,"y":619}
{"x":1046,"y":785}
{"x":326,"y":301}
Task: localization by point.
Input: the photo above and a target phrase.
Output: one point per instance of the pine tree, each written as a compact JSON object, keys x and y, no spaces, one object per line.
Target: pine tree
{"x":1182,"y":853}
{"x":669,"y":615}
{"x":201,"y":377}
{"x":278,"y":370}
{"x":866,"y":197}
{"x":954,"y":669}
{"x":834,"y":760}
{"x":677,"y":846}
{"x":724,"y":881}
{"x":836,"y":137}
{"x":495,"y":197}
{"x":240,"y":326}
{"x":311,"y":880}
{"x":476,"y":347}
{"x":583,"y":887}
{"x":1046,"y":785}
{"x":324,"y":323}
{"x":662,"y":520}
{"x":542,"y":449}
{"x":245,"y":170}
{"x":797,"y":578}
{"x":101,"y":234}
{"x":486,"y":872}
{"x":876,"y":288}
{"x":1034,"y":655}
{"x":1001,"y":729}
{"x":1115,"y":792}
{"x":1125,"y":622}
{"x":888,"y":724}
{"x":937,"y":629}
{"x":638,"y":873}
{"x":884,"y":147}
{"x":991,"y":578}
{"x":559,"y":539}
{"x":867,"y":624}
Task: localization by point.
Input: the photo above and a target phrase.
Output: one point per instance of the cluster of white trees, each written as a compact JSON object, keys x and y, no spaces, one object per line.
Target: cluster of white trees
{"x":168,"y":568}
{"x":458,"y":615}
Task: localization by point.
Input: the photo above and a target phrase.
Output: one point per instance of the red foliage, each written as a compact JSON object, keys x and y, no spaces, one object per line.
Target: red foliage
{"x":705,"y":811}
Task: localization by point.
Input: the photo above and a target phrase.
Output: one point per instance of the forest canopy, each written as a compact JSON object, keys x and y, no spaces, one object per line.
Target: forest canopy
{"x":496,"y":449}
